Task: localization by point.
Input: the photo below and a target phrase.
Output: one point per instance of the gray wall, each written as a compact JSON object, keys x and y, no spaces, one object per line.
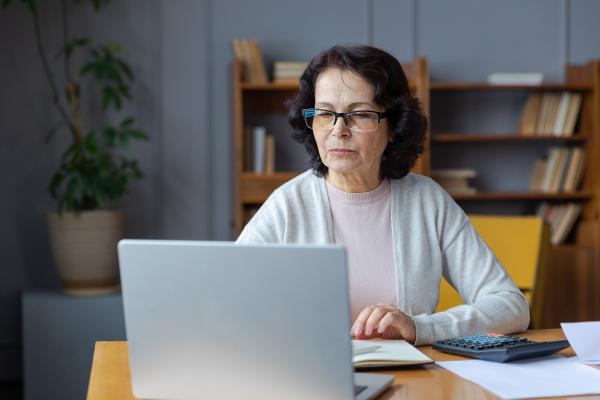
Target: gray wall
{"x":181,"y":54}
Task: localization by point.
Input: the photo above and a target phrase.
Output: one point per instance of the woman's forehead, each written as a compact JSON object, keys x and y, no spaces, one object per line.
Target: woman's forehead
{"x":334,"y":82}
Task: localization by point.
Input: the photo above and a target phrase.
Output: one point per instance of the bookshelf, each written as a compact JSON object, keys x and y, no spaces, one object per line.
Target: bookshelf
{"x":582,"y":79}
{"x":254,"y":100}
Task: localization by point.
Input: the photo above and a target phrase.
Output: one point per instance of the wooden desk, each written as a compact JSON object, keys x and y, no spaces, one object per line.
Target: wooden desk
{"x":110,"y":378}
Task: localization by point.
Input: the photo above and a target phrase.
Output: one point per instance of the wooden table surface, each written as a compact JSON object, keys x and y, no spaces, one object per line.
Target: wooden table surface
{"x":110,"y":378}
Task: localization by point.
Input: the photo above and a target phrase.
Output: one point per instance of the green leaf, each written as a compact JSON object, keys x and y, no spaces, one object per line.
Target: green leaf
{"x":127,"y":122}
{"x":137,"y":134}
{"x":125,"y":68}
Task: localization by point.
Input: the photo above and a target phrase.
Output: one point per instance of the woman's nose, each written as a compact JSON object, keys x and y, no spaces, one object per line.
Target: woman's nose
{"x":340,"y":128}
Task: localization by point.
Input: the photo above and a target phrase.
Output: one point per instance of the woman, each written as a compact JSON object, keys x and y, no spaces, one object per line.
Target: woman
{"x":363,"y":131}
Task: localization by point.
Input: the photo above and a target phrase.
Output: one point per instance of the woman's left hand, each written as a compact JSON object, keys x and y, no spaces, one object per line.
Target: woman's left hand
{"x":384,"y":321}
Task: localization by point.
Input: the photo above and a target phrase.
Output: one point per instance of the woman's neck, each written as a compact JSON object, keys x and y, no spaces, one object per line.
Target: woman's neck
{"x":353,"y":183}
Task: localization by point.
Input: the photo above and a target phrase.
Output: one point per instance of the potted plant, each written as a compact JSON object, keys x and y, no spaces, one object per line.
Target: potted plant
{"x":93,"y":169}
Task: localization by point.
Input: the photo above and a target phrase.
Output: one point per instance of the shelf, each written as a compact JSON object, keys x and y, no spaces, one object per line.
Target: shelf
{"x":255,"y":188}
{"x":488,"y":86}
{"x":501,"y":196}
{"x":461,"y":137}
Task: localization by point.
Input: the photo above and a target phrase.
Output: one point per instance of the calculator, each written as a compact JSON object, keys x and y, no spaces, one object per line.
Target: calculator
{"x":499,"y":348}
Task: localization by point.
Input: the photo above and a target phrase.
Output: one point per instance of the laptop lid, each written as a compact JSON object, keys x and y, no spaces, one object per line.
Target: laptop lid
{"x":219,"y":320}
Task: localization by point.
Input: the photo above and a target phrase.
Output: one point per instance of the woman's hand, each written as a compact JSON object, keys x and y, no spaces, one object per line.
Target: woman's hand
{"x":384,"y":321}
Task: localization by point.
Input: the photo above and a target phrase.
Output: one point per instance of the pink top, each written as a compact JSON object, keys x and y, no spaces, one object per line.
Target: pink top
{"x":362,"y":224}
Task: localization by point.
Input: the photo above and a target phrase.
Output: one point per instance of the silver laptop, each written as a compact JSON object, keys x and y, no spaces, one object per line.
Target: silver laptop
{"x":215,"y":320}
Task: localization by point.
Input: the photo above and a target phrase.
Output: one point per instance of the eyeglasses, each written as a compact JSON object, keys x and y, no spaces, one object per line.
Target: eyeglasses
{"x":357,"y":121}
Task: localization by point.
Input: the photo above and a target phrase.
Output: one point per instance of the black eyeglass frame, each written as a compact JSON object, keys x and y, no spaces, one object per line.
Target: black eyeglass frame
{"x":345,"y":115}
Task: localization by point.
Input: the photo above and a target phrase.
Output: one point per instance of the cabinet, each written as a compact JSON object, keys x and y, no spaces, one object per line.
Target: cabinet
{"x":263,"y":103}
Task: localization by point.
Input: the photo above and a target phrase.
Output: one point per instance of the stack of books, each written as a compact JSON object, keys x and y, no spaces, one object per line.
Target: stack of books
{"x":561,"y":219}
{"x":455,"y":181}
{"x":259,"y":150}
{"x":561,"y":171}
{"x":249,"y":55}
{"x":550,"y":114}
{"x":288,"y":71}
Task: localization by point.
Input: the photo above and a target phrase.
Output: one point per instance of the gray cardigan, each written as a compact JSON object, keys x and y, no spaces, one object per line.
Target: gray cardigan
{"x":432,"y":237}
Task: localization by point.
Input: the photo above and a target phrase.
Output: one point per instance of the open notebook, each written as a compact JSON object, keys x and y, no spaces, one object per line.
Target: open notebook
{"x":386,"y":353}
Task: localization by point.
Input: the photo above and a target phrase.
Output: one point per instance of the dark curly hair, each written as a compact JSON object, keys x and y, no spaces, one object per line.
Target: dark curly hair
{"x":406,"y":120}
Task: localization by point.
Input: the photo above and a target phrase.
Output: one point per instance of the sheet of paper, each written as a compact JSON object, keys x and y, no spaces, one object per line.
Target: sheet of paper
{"x":584,"y":338}
{"x":539,"y":377}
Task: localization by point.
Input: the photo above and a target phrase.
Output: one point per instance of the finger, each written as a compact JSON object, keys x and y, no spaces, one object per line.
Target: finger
{"x":389,"y":320}
{"x":359,"y":324}
{"x":373,"y":320}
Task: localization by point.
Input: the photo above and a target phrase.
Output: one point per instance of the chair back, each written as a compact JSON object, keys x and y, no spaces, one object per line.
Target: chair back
{"x":521,"y":244}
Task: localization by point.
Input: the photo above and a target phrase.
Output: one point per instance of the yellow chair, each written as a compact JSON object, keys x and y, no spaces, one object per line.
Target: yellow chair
{"x":521,"y":244}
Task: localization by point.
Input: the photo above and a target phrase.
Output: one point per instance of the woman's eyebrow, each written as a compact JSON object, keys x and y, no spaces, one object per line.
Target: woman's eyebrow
{"x":350,"y":106}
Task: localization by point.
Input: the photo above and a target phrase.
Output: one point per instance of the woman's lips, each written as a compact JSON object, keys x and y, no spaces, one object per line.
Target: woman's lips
{"x":341,"y":151}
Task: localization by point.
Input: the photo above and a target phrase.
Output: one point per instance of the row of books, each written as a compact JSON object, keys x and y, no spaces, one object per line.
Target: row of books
{"x":259,"y":150}
{"x":560,"y":171}
{"x":288,"y":71}
{"x":249,"y":55}
{"x":550,"y":114}
{"x":455,"y":181}
{"x":561,"y":218}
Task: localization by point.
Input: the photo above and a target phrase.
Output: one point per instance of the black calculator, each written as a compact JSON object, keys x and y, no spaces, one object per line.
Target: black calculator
{"x":499,"y":348}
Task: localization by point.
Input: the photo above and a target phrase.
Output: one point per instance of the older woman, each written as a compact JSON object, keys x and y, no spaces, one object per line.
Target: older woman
{"x":363,"y":131}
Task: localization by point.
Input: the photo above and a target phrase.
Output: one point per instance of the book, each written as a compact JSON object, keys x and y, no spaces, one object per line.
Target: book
{"x":574,"y":170}
{"x":387,"y":353}
{"x":537,"y":175}
{"x":259,"y":135}
{"x":530,"y":114}
{"x":557,"y":172}
{"x":249,"y":55}
{"x":562,"y":228}
{"x":551,"y":164}
{"x":270,"y":154}
{"x":561,"y":114}
{"x":572,"y":114}
{"x":516,"y":78}
{"x":542,"y":117}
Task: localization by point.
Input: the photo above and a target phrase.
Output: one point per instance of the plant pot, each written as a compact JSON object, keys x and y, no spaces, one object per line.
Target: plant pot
{"x":84,"y":245}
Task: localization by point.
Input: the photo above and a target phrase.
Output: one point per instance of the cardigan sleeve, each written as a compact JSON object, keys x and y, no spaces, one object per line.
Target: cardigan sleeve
{"x":267,"y":225}
{"x":493,"y":303}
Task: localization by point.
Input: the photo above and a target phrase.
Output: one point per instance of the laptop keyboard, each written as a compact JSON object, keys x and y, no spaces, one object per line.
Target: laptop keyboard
{"x":358,"y":389}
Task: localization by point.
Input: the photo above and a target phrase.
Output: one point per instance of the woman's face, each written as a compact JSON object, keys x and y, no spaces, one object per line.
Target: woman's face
{"x":344,"y":152}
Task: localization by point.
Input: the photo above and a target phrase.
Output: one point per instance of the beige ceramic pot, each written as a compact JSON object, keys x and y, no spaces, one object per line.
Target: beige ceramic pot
{"x":84,"y":245}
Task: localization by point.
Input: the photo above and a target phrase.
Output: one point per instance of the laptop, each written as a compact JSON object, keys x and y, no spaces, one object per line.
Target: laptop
{"x":216,"y":320}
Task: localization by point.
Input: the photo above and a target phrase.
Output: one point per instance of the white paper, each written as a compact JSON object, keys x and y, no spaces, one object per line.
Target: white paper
{"x":361,"y":348}
{"x":551,"y":376}
{"x":584,"y":338}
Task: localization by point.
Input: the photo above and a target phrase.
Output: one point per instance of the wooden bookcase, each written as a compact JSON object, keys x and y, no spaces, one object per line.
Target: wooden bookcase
{"x":584,"y":79}
{"x":252,"y":99}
